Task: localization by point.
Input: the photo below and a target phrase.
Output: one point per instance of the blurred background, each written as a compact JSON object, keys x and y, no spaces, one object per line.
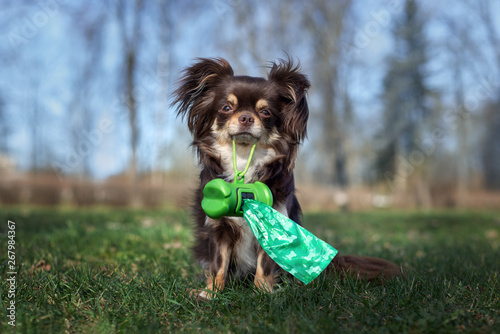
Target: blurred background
{"x":404,"y":101}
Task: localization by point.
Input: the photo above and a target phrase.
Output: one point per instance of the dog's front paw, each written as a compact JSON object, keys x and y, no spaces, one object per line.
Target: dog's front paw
{"x":202,"y":295}
{"x":265,"y":283}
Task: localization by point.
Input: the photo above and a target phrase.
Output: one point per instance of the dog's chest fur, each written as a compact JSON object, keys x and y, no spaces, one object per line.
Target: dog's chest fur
{"x":261,"y":157}
{"x":246,"y":247}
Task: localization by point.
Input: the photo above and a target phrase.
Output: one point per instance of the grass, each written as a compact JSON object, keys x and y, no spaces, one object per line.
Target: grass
{"x":129,"y":271}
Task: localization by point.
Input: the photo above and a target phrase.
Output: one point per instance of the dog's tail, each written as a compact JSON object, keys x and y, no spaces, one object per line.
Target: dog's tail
{"x":368,"y":268}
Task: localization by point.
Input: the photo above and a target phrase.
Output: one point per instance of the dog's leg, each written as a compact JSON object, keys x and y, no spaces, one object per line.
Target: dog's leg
{"x":216,"y":274}
{"x":218,"y":271}
{"x":265,"y":277}
{"x":266,"y":274}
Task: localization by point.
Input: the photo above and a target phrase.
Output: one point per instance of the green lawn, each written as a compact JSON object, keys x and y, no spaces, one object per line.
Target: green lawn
{"x":104,"y":271}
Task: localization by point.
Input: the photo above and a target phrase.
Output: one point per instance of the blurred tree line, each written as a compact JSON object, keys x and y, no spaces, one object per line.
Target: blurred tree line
{"x":404,"y":101}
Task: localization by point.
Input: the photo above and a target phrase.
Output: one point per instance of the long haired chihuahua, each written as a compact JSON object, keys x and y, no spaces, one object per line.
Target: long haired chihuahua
{"x":272,"y":112}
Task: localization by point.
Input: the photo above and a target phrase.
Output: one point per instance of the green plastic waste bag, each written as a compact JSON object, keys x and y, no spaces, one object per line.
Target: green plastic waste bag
{"x":291,"y":246}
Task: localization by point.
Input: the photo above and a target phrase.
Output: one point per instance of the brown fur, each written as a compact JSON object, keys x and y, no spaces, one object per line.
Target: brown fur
{"x":365,"y":267}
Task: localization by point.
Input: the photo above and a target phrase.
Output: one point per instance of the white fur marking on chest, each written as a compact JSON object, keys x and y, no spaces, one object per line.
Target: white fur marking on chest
{"x":245,"y":250}
{"x":261,"y":157}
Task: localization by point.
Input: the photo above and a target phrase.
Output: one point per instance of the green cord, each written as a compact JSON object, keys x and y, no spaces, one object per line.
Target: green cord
{"x":240,"y":175}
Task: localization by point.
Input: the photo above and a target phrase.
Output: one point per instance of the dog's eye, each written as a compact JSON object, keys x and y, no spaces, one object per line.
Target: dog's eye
{"x":226,"y":109}
{"x":265,"y":113}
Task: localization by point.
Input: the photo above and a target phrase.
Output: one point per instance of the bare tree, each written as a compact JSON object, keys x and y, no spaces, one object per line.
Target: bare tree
{"x":459,"y":65}
{"x":487,"y":13}
{"x":406,"y":110}
{"x":130,"y":25}
{"x":166,"y":27}
{"x":34,"y":118}
{"x":491,"y":143}
{"x":475,"y":52}
{"x":328,"y":25}
{"x":4,"y":127}
{"x":89,"y":25}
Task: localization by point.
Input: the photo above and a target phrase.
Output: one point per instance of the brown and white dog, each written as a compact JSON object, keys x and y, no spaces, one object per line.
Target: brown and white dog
{"x":219,"y":106}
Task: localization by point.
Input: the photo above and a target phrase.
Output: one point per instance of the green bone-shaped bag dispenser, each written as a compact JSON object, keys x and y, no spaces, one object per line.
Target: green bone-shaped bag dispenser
{"x":292,"y":247}
{"x":221,"y":198}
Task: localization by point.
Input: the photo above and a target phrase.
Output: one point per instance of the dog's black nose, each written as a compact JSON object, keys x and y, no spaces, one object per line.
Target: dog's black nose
{"x":246,"y":120}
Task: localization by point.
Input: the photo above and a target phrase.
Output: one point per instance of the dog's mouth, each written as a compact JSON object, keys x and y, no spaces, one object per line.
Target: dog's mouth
{"x":244,"y":137}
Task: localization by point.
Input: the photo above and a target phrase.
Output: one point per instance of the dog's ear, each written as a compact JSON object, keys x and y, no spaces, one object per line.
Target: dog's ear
{"x":293,"y":88}
{"x":194,"y":95}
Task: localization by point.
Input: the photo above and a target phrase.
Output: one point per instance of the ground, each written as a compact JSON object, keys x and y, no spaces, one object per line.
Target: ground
{"x":114,"y":270}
